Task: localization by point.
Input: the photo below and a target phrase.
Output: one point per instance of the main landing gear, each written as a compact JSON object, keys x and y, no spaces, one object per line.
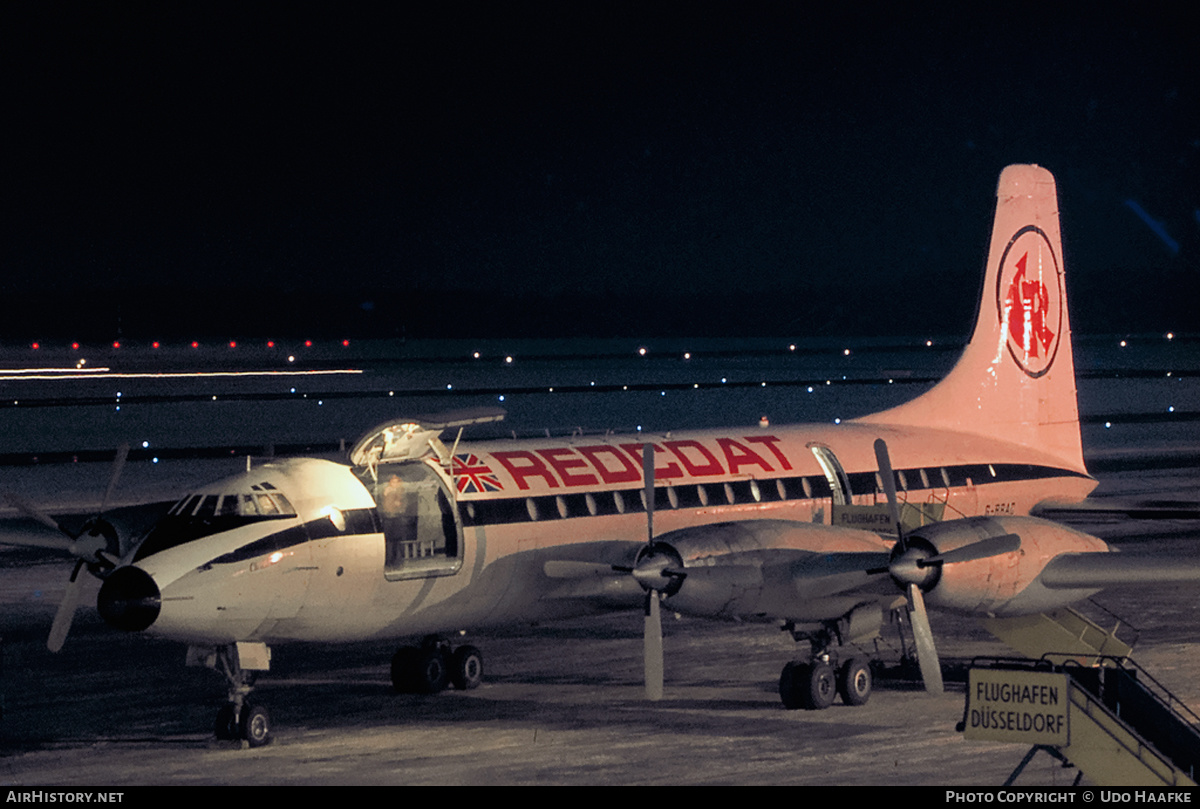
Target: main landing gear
{"x":430,"y":667}
{"x":813,"y":685}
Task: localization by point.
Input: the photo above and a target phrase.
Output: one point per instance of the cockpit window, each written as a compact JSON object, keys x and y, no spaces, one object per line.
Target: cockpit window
{"x":200,"y":515}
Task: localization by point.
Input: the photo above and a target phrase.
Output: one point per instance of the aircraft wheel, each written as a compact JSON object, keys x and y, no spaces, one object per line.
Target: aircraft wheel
{"x":226,"y":726}
{"x":255,"y":726}
{"x":822,"y":687}
{"x":466,"y":668}
{"x":854,"y":681}
{"x":793,"y":682}
{"x":423,"y":670}
{"x":404,"y":665}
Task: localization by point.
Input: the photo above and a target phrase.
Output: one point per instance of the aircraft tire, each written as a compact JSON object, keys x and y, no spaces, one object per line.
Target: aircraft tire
{"x":822,"y":687}
{"x":793,"y":683}
{"x":255,"y":726}
{"x":854,"y":681}
{"x":226,"y":726}
{"x":466,"y":668}
{"x":403,"y":669}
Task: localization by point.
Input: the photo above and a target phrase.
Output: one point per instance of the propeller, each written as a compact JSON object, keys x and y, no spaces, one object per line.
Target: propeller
{"x":916,"y":566}
{"x":927,"y":657}
{"x":88,"y":545}
{"x":652,"y":645}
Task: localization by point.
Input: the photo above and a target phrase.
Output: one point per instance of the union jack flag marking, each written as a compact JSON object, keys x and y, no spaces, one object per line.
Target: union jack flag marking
{"x":473,"y":476}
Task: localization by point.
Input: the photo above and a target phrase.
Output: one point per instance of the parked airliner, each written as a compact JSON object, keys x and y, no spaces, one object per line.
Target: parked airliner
{"x":825,"y":528}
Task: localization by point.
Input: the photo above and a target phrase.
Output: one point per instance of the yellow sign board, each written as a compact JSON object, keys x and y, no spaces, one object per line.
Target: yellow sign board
{"x":1017,"y":706}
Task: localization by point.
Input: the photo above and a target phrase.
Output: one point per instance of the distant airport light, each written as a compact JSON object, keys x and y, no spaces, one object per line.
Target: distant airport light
{"x":642,"y":352}
{"x":36,"y":346}
{"x":792,"y":347}
{"x":345,"y":343}
{"x":763,"y":421}
{"x":1122,"y":344}
{"x":845,"y":352}
{"x":810,"y":389}
{"x":270,"y":343}
{"x":687,"y":355}
{"x":116,"y":344}
{"x":308,"y":343}
{"x":508,"y":359}
{"x":291,"y":357}
{"x":502,"y":397}
{"x":1170,"y":336}
{"x":1108,"y":425}
{"x":156,"y":344}
{"x":928,"y":343}
{"x":837,"y":421}
{"x":195,"y":344}
{"x":75,"y":346}
{"x":233,"y":343}
{"x":475,"y":355}
{"x":145,"y":445}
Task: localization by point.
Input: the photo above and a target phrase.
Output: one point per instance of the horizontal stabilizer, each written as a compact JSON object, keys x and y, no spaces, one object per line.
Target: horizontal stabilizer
{"x":1075,"y":570}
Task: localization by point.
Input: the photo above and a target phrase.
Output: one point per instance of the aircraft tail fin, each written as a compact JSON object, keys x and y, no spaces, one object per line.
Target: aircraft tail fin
{"x":1016,"y":378}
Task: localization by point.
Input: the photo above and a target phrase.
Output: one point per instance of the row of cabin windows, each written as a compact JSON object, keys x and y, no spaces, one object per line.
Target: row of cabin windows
{"x":585,"y":504}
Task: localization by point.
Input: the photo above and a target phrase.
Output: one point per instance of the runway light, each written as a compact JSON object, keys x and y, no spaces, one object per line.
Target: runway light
{"x":475,"y":355}
{"x":641,"y":352}
{"x":845,"y":352}
{"x":154,"y":459}
{"x":792,"y":347}
{"x":145,"y":445}
{"x":508,"y":360}
{"x":75,"y":346}
{"x":116,"y":344}
{"x":837,"y":421}
{"x":810,"y":388}
{"x":1170,"y":335}
{"x":502,"y":397}
{"x":928,"y":343}
{"x":156,"y":344}
{"x":1170,"y":408}
{"x":195,"y":344}
{"x":291,"y":357}
{"x":345,"y":343}
{"x":1108,"y":425}
{"x":308,"y":343}
{"x":233,"y":343}
{"x":36,"y":346}
{"x":451,"y":387}
{"x":687,"y":355}
{"x":270,"y":343}
{"x":1122,"y":344}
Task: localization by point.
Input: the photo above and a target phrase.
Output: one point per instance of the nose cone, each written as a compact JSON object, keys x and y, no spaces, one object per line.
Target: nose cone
{"x":129,"y":599}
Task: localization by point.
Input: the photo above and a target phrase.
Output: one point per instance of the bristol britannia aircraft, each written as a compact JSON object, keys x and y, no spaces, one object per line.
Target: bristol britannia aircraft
{"x":824,"y":528}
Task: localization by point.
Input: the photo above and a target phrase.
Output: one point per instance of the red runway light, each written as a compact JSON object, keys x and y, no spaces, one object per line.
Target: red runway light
{"x":270,"y":343}
{"x":75,"y":346}
{"x":116,"y":344}
{"x":195,"y":344}
{"x":345,"y":343}
{"x":308,"y":343}
{"x":36,"y":346}
{"x":233,"y":343}
{"x":155,"y":344}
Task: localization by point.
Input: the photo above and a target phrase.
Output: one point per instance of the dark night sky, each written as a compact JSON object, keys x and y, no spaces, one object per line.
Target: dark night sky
{"x":577,"y":168}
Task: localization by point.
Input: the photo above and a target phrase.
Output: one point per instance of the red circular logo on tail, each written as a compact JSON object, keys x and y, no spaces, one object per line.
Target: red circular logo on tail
{"x":1029,"y":300}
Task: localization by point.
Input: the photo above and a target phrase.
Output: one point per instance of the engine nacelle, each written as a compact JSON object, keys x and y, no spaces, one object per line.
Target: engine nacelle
{"x":771,"y":569}
{"x":1007,"y":583}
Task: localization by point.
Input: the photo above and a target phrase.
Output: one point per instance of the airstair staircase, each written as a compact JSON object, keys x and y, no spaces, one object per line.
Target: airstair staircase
{"x":1124,"y":727}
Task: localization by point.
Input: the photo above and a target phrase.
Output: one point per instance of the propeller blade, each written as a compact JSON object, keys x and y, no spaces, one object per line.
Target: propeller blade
{"x":652,"y":648}
{"x":927,"y":657}
{"x":648,"y":474}
{"x":983,"y":549}
{"x":889,"y":486}
{"x":66,"y":611}
{"x":31,"y":511}
{"x":115,"y":475}
{"x":571,"y":569}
